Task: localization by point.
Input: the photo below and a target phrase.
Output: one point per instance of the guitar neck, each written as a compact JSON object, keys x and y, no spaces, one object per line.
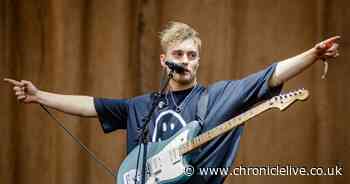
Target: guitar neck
{"x":224,"y":127}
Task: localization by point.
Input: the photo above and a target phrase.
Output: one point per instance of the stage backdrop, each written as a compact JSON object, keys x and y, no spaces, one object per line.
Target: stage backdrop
{"x":110,"y":49}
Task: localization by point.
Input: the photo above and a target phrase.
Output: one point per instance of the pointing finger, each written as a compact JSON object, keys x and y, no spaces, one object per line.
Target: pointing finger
{"x":332,"y":39}
{"x":14,"y":82}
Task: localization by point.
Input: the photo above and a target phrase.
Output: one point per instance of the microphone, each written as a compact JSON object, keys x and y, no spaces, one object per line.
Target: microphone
{"x":175,"y":67}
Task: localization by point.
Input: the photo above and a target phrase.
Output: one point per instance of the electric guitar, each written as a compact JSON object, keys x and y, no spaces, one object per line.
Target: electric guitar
{"x":168,"y":161}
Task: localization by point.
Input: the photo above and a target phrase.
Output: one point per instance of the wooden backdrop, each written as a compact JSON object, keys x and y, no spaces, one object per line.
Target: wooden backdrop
{"x":110,"y":49}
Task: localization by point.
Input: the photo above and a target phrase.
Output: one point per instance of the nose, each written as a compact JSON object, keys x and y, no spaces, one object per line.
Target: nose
{"x":184,"y":63}
{"x":185,"y":60}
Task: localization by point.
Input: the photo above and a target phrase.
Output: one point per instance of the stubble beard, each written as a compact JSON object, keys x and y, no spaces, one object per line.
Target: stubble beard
{"x":185,"y":80}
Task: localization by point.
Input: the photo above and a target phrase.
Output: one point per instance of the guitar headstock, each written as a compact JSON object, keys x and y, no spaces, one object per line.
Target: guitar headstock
{"x":284,"y":100}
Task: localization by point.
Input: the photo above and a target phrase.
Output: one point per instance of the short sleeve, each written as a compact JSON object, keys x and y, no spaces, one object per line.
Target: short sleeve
{"x":232,"y":97}
{"x":112,"y":113}
{"x":257,"y":85}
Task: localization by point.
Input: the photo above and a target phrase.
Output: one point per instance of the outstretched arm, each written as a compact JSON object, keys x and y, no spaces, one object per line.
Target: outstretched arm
{"x":291,"y":67}
{"x":26,"y":92}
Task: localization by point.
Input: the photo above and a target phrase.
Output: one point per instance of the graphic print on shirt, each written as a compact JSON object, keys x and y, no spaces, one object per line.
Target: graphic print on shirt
{"x":167,"y":124}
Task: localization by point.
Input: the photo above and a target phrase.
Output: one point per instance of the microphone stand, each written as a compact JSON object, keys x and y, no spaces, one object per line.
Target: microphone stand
{"x":143,"y":137}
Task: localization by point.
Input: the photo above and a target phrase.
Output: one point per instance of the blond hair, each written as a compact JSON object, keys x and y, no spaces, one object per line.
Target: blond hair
{"x":176,"y":32}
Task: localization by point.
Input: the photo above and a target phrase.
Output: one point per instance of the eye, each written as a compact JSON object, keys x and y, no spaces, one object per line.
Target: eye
{"x":192,"y":55}
{"x":178,"y":54}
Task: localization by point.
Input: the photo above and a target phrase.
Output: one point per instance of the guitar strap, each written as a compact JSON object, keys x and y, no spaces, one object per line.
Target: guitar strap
{"x":202,"y":107}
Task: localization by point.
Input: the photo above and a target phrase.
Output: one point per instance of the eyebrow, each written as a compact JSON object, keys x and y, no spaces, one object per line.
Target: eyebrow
{"x":185,"y":50}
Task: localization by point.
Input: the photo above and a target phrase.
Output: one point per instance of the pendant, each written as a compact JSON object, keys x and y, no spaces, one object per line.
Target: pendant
{"x":178,"y":109}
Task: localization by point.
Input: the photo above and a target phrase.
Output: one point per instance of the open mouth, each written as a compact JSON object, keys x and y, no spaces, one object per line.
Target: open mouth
{"x":186,"y":72}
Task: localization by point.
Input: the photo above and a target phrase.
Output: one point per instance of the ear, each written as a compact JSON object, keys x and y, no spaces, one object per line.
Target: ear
{"x":162,"y":60}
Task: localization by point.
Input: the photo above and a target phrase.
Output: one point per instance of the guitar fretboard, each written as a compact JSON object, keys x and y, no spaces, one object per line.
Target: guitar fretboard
{"x":224,"y":127}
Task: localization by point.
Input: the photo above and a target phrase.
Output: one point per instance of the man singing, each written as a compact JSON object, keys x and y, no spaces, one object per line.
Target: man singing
{"x":181,"y":44}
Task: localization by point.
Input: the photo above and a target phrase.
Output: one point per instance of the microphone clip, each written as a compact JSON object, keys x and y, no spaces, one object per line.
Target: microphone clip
{"x":175,"y":67}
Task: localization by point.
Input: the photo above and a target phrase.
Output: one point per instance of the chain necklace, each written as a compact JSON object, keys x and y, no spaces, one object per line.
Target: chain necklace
{"x":180,"y":107}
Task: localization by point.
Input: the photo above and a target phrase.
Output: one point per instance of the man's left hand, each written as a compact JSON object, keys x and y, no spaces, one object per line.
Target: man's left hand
{"x":328,"y":48}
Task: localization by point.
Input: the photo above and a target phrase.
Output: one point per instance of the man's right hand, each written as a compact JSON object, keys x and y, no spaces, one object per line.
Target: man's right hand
{"x":24,"y":90}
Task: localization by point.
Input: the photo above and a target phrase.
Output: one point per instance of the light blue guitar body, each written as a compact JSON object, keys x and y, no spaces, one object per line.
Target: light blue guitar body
{"x":164,"y":162}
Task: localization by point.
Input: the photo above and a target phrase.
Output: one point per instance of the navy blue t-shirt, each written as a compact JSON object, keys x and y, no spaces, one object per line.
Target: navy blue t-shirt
{"x":226,"y":100}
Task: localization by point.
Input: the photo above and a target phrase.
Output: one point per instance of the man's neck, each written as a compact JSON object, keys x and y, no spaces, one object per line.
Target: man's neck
{"x":174,"y":86}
